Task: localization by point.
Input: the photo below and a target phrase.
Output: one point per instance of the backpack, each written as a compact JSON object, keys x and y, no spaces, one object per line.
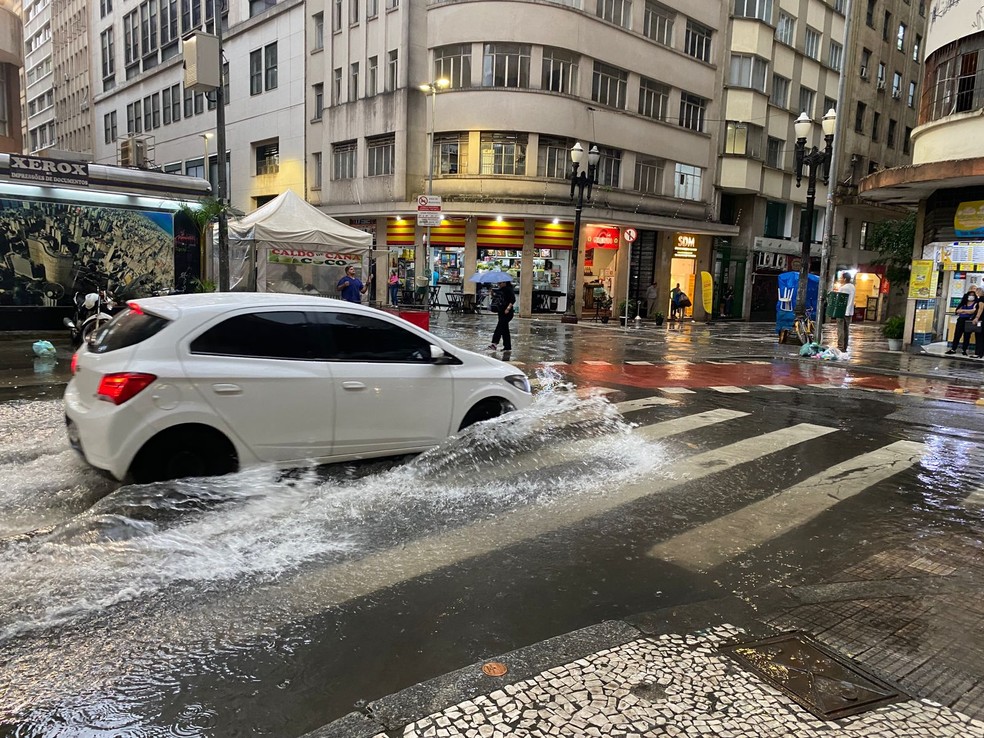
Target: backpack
{"x":498,"y":302}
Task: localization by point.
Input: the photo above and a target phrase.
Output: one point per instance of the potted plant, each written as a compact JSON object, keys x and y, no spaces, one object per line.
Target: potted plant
{"x":658,"y":318}
{"x":893,"y":330}
{"x":632,"y":310}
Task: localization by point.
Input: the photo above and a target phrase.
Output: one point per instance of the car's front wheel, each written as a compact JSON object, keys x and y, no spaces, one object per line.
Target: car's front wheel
{"x":487,"y":409}
{"x":184,"y":451}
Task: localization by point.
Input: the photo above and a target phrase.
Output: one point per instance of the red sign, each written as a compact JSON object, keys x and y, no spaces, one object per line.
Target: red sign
{"x":601,"y":237}
{"x":630,"y":234}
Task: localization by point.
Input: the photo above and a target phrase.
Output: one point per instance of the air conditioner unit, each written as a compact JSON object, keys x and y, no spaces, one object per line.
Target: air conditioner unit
{"x":897,"y":94}
{"x":864,"y":72}
{"x":881,"y":84}
{"x":133,"y":152}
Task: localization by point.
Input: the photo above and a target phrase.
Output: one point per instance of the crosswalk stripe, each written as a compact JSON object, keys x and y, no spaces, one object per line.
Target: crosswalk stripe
{"x":722,"y":363}
{"x":640,"y":363}
{"x":728,"y":389}
{"x":758,"y":362}
{"x":334,"y":585}
{"x":724,"y":538}
{"x":668,"y":428}
{"x":598,"y":363}
{"x":778,"y":387}
{"x":630,"y":405}
{"x":677,"y":390}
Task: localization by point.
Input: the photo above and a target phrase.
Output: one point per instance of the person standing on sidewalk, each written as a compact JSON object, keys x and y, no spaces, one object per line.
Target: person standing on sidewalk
{"x":351,"y":287}
{"x":503,"y":305}
{"x":844,"y":324}
{"x":965,"y":311}
{"x":652,"y":307}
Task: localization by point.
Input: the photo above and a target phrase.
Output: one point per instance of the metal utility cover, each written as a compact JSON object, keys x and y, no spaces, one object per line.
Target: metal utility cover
{"x":827,"y":684}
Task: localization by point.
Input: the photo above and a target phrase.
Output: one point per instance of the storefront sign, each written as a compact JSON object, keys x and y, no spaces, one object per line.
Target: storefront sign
{"x":305,"y":256}
{"x":601,"y":237}
{"x":707,"y":292}
{"x":922,"y":279}
{"x":968,"y":220}
{"x":685,"y":246}
{"x":49,"y":170}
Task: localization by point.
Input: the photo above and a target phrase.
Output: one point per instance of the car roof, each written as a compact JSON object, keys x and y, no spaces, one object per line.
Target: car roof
{"x":215,"y":303}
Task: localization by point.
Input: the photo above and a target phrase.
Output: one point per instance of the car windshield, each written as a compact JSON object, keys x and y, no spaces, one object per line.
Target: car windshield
{"x":126,"y":329}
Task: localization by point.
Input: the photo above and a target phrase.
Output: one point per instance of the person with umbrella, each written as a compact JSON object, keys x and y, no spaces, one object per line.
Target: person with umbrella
{"x":503,"y":304}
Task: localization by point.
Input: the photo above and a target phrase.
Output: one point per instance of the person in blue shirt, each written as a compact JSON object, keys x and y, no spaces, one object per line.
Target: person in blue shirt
{"x":351,"y":287}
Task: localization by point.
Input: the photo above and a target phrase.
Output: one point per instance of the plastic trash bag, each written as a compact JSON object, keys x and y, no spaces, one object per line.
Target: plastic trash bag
{"x":44,"y":349}
{"x":809,"y":349}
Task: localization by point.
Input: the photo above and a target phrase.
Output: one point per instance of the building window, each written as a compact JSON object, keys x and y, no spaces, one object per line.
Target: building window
{"x":897,"y":85}
{"x":372,"y":75}
{"x":176,"y":102}
{"x":503,"y":153}
{"x":649,"y":175}
{"x":451,"y":153}
{"x":886,"y":26}
{"x":108,"y":53}
{"x":880,"y":78}
{"x":687,"y":182}
{"x":453,"y":63}
{"x":836,"y":56}
{"x":552,"y":157}
{"x":189,"y":102}
{"x":697,"y":41}
{"x":780,"y":91}
{"x":658,"y":23}
{"x":343,"y":160}
{"x":608,"y":85}
{"x":148,"y":121}
{"x":785,"y":29}
{"x":900,"y":38}
{"x":195,"y":168}
{"x":255,"y":74}
{"x":748,"y":71}
{"x":916,"y":47}
{"x":869,"y":14}
{"x":506,"y":65}
{"x":131,"y":38}
{"x":811,"y":44}
{"x":336,"y":86}
{"x":255,"y":8}
{"x":618,"y":12}
{"x":353,"y":93}
{"x":267,"y":158}
{"x":865,"y":63}
{"x":372,"y":9}
{"x":609,"y":170}
{"x":380,"y":155}
{"x":654,"y":98}
{"x":743,"y":139}
{"x":911,"y":99}
{"x":319,"y":100}
{"x":875,"y":125}
{"x":109,"y":126}
{"x":155,"y":104}
{"x":773,"y":152}
{"x":105,"y":8}
{"x":559,"y":71}
{"x":316,"y":170}
{"x":759,"y":9}
{"x":807,"y":100}
{"x":319,"y":31}
{"x":353,"y":12}
{"x":392,"y":70}
{"x":890,"y":136}
{"x":166,"y":103}
{"x":392,"y":4}
{"x":270,"y":67}
{"x":692,"y":109}
{"x":922,"y":8}
{"x":906,"y":140}
{"x":839,"y":6}
{"x":134,"y":118}
{"x":336,"y":16}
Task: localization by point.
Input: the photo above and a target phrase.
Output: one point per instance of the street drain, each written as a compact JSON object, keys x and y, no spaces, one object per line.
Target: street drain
{"x":829,"y":685}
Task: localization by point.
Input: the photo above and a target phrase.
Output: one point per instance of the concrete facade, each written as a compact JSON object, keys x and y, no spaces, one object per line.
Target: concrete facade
{"x":11,"y":61}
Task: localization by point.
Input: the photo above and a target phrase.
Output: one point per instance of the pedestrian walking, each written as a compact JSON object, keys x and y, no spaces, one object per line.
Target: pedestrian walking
{"x":678,"y":302}
{"x":503,"y":304}
{"x":965,"y":311}
{"x":351,"y":287}
{"x":844,"y":324}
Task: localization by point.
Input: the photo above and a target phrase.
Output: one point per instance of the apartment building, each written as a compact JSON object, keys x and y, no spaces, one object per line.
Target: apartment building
{"x":491,"y":136}
{"x":11,"y":61}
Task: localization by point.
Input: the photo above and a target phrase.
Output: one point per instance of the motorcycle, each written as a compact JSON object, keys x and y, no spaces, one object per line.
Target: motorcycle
{"x":92,"y":311}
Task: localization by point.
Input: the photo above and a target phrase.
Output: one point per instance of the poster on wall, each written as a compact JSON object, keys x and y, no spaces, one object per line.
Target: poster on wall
{"x":922,"y":279}
{"x":51,"y":250}
{"x":290,"y":269}
{"x":968,"y":220}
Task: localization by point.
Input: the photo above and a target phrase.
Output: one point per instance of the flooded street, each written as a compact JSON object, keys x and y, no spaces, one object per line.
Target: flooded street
{"x":269,"y":602}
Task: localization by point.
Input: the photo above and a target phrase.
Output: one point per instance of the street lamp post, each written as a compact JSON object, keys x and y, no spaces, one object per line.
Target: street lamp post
{"x":816,"y":161}
{"x":581,"y":179}
{"x":431,"y":88}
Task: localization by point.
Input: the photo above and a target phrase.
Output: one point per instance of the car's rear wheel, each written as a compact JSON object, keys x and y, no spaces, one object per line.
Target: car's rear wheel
{"x":184,"y":451}
{"x":487,"y":409}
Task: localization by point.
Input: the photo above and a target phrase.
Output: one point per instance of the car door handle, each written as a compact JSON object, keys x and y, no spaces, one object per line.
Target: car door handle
{"x":353,"y":385}
{"x":227,"y":389}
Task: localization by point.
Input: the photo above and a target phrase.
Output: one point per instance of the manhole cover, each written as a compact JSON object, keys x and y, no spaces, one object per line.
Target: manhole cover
{"x":827,"y":684}
{"x":494,"y":668}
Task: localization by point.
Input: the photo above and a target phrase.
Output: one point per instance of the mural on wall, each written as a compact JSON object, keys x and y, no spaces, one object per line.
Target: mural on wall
{"x":51,"y":250}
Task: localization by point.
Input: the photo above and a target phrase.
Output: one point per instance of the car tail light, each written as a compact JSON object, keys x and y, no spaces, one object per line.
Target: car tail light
{"x":135,"y":307}
{"x":120,"y":387}
{"x":75,"y":362}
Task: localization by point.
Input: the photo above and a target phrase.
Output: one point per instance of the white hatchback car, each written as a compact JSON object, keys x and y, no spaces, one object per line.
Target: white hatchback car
{"x":194,"y":385}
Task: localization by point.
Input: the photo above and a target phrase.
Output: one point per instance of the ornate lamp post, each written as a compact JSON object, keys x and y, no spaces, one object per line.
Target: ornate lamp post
{"x":815,"y":160}
{"x":431,"y":88}
{"x":580,"y":180}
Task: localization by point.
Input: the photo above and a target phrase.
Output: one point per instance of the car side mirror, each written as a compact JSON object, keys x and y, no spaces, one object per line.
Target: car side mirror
{"x":438,"y":355}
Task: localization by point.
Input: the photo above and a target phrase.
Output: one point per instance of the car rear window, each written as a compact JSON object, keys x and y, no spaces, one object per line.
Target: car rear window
{"x":126,"y":329}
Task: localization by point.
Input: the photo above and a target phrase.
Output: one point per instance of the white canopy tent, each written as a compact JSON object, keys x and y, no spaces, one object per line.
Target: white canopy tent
{"x":291,"y":246}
